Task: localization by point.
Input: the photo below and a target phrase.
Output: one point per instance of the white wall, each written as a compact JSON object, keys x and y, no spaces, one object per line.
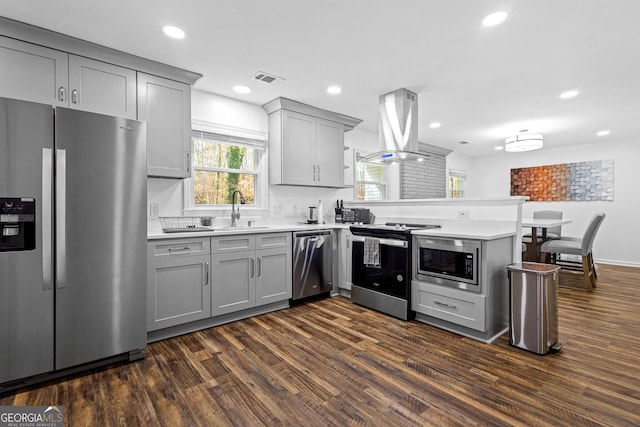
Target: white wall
{"x":285,"y":202}
{"x":618,"y":240}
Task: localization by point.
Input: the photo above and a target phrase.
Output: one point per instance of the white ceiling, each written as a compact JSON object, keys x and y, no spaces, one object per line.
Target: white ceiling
{"x":482,"y":84}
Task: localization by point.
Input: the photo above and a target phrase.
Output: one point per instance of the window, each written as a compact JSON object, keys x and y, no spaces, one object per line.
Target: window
{"x":457,"y":184}
{"x":370,"y":181}
{"x":223,"y":164}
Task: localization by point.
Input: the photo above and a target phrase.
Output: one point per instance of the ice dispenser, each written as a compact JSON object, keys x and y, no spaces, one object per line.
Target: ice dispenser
{"x":17,"y":224}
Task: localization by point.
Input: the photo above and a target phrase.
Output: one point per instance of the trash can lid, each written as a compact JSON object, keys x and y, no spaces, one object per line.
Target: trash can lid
{"x":534,"y":267}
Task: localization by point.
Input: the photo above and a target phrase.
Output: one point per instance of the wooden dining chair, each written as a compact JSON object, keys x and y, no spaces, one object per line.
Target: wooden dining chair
{"x":576,"y":246}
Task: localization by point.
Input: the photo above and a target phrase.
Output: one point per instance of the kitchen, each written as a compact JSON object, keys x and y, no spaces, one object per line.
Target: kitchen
{"x":222,"y":110}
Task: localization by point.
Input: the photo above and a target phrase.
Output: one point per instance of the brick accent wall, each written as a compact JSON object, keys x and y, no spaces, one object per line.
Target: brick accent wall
{"x":424,"y":180}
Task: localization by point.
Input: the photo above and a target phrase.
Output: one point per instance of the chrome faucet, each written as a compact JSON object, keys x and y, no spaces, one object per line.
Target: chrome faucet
{"x":235,"y":212}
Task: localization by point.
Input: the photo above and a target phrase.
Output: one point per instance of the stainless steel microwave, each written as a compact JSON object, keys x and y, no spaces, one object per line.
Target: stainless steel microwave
{"x":448,"y":262}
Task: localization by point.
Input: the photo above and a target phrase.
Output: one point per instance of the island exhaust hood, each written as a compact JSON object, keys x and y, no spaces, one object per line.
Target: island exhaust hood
{"x":397,"y":129}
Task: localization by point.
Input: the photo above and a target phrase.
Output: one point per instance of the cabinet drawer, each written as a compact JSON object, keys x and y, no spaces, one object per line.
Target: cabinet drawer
{"x":183,"y":247}
{"x":455,"y":306}
{"x":273,"y":240}
{"x":236,"y":243}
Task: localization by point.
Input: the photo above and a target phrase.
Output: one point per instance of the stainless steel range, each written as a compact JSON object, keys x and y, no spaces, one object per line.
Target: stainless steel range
{"x":381,"y":256}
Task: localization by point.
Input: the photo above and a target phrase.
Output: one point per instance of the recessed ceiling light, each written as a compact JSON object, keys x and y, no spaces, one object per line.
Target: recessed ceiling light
{"x":603,"y":133}
{"x":242,"y":89}
{"x":434,"y":125}
{"x":494,"y":19}
{"x":498,"y":147}
{"x":173,"y":32}
{"x":569,"y":94}
{"x":334,"y":90}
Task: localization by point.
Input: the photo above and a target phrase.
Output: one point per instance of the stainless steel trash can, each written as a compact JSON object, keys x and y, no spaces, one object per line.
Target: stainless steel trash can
{"x":534,"y":307}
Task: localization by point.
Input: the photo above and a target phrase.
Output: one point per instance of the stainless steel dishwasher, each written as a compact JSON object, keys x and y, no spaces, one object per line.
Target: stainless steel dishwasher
{"x":312,"y":264}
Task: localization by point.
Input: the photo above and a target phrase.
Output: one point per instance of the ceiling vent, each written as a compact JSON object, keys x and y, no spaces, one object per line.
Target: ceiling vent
{"x":267,"y":78}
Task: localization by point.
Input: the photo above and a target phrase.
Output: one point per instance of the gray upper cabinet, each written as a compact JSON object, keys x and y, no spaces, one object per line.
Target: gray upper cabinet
{"x":166,"y":107}
{"x":297,"y":151}
{"x":103,"y":88}
{"x":33,"y":73}
{"x":39,"y":74}
{"x":329,"y":153}
{"x":306,"y":144}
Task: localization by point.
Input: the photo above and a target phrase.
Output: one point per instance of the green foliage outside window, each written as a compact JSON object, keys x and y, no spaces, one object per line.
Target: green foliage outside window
{"x":220,"y":169}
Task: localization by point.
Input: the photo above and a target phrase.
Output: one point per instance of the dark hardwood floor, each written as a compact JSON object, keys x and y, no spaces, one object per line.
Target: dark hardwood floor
{"x":334,"y":363}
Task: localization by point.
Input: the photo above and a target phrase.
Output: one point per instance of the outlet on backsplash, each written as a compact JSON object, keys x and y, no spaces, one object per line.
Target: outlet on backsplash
{"x":463,"y":214}
{"x":154,"y":210}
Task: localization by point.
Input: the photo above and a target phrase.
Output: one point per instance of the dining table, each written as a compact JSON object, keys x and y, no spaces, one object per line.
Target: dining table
{"x":532,"y":253}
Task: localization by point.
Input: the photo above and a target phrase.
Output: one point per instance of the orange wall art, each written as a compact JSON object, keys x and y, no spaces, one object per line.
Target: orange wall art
{"x":568,"y":181}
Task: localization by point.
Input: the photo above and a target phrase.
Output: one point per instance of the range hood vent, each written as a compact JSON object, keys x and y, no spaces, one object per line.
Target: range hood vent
{"x":397,"y":129}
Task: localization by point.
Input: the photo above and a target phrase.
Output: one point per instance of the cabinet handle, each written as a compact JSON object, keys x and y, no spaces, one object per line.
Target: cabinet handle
{"x":318,"y":173}
{"x":314,"y":173}
{"x":188,"y":161}
{"x":206,"y":273}
{"x":74,"y":96}
{"x":61,"y":94}
{"x":186,"y":248}
{"x":442,"y":304}
{"x":252,"y":266}
{"x":259,"y":266}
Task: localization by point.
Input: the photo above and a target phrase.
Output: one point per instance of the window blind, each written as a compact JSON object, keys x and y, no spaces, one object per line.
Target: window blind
{"x":257,"y":144}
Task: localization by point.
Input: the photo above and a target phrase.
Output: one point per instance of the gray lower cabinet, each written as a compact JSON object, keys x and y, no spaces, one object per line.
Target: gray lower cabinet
{"x":179,"y":278}
{"x":482,"y":315}
{"x":453,"y":305}
{"x":249,"y":271}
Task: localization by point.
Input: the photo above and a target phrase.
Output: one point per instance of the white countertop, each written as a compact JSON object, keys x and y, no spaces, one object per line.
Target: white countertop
{"x":466,"y":233}
{"x":225,"y":231}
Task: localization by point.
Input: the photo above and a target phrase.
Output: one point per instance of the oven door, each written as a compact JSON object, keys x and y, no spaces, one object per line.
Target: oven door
{"x":449,"y":262}
{"x":390,"y":277}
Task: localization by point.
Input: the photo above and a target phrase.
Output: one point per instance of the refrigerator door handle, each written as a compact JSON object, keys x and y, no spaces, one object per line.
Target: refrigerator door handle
{"x":47,"y":232}
{"x":61,"y":232}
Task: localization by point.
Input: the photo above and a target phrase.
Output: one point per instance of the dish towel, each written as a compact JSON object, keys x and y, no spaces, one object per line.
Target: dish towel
{"x":371,"y":256}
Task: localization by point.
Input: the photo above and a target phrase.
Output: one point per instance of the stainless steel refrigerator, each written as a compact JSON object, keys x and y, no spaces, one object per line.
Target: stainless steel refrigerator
{"x":73,"y":191}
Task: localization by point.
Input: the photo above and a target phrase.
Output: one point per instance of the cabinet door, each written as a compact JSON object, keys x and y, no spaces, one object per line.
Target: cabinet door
{"x":345,"y":260}
{"x":329,"y":153}
{"x":166,"y":107}
{"x":178,"y":291}
{"x":233,"y":282}
{"x":273,"y":275}
{"x":103,"y":88}
{"x":33,"y":73}
{"x":298,"y":149}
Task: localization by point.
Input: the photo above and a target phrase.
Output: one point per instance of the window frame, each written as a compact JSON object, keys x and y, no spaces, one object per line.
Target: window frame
{"x":462,"y":176}
{"x":233,"y":136}
{"x":384,"y":182}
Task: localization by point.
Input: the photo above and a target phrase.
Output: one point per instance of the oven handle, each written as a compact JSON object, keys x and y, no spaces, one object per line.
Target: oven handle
{"x":385,"y":242}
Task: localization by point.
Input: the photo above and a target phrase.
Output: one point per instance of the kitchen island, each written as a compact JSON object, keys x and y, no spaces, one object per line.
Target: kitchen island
{"x":460,"y":280}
